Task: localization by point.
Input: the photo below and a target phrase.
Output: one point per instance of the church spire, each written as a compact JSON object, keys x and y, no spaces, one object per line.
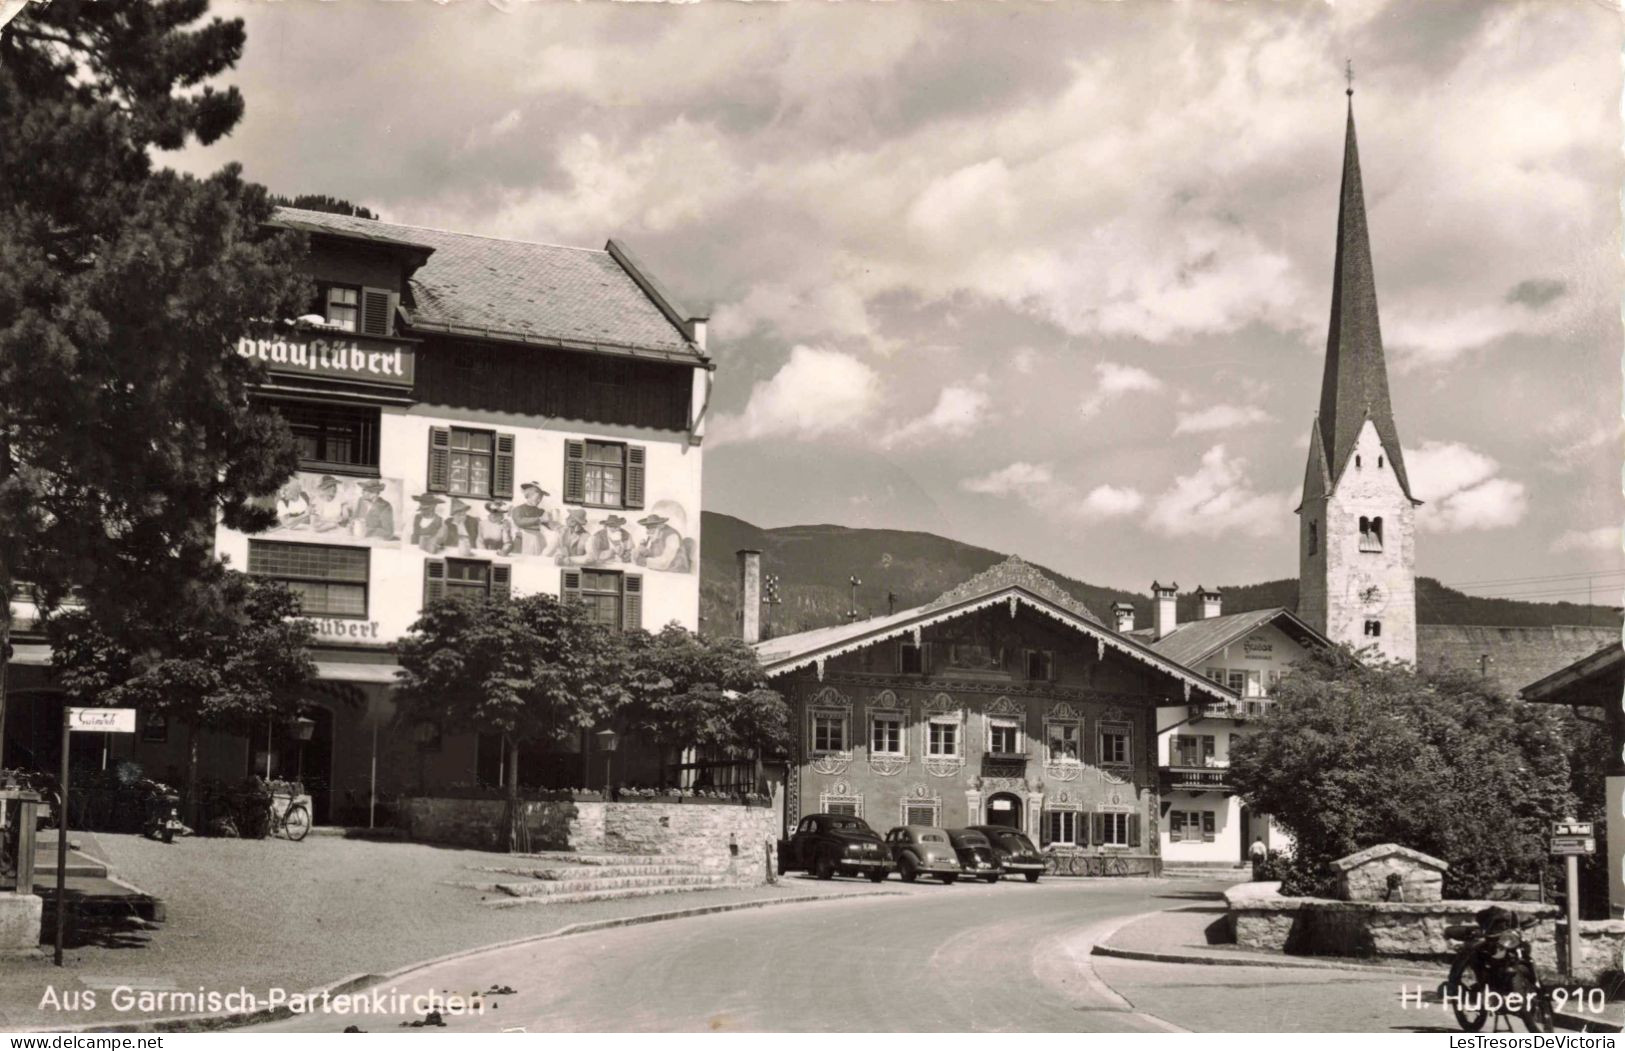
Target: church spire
{"x":1355,"y":385}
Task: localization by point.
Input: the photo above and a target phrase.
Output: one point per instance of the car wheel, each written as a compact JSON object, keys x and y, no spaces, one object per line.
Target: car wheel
{"x":948,"y":877}
{"x":990,"y":879}
{"x":1032,"y":877}
{"x":824,"y":868}
{"x":906,"y":870}
{"x":877,"y":875}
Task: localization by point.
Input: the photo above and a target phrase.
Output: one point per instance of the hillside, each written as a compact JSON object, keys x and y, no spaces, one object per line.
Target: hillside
{"x":814,"y":562}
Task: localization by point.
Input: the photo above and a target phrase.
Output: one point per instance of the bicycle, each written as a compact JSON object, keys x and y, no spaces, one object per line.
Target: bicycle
{"x":292,"y":821}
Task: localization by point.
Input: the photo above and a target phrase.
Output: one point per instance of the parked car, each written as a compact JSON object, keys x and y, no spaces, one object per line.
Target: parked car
{"x":834,"y":844}
{"x":920,"y":850}
{"x":1015,"y":851}
{"x":976,"y":855}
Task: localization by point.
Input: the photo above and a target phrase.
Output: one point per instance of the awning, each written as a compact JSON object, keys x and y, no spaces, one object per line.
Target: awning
{"x":348,"y":671}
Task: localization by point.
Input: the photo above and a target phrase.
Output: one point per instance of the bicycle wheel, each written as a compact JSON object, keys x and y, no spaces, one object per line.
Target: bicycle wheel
{"x":1465,"y":988}
{"x":296,"y":823}
{"x":1077,"y":865}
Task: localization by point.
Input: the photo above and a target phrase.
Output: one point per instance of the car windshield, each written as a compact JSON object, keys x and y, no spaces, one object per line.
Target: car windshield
{"x":1015,"y":842}
{"x":932,"y":837}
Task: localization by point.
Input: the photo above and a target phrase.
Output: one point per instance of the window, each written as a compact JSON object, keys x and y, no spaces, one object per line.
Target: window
{"x":471,"y":462}
{"x":1379,"y":461}
{"x":919,"y":814}
{"x":1373,"y":629}
{"x":1236,"y":679}
{"x":328,"y":581}
{"x":828,"y":732}
{"x":911,"y":659}
{"x":1190,"y":825}
{"x":1040,"y":665}
{"x":848,"y":809}
{"x":1217,"y":675}
{"x":1003,"y":736}
{"x":1356,"y":461}
{"x":975,"y":656}
{"x":886,"y":735}
{"x":1192,"y":749}
{"x":1061,"y":826}
{"x":1314,"y":537}
{"x":155,"y":728}
{"x":1063,"y":742}
{"x":465,"y":578}
{"x":942,"y":737}
{"x":341,"y":305}
{"x":1370,"y":534}
{"x":1114,"y":745}
{"x":604,"y":474}
{"x":1113,"y":829}
{"x":612,"y":599}
{"x":332,"y":436}
{"x":1274,"y":683}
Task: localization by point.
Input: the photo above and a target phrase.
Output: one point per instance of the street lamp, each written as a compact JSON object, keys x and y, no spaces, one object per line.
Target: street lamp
{"x":304,"y":728}
{"x":607,"y":740}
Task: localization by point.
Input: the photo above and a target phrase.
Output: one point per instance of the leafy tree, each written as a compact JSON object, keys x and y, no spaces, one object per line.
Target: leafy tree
{"x":235,"y":666}
{"x":1356,"y":754}
{"x":321,"y":202}
{"x":530,"y":668}
{"x":125,"y":426}
{"x":685,"y":689}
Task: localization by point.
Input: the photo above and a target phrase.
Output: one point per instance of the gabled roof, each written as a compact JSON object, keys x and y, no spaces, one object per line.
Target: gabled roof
{"x":1592,"y":681}
{"x":521,"y":291}
{"x":1013,"y":583}
{"x":1197,"y":640}
{"x":1355,"y":385}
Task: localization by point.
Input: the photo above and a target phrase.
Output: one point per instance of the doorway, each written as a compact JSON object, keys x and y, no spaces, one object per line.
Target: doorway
{"x":308,"y":761}
{"x":1004,"y":809}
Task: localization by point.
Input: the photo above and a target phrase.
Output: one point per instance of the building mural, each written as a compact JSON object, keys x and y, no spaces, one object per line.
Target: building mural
{"x":322,"y":508}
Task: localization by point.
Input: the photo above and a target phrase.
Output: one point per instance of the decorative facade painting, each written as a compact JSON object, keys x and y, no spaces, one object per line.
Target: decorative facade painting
{"x":323,"y":508}
{"x":539,"y":527}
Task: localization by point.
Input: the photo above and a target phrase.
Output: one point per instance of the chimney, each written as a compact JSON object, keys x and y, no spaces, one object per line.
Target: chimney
{"x":1123,"y":617}
{"x":1212,"y":602}
{"x":750,"y":595}
{"x":1165,"y":617}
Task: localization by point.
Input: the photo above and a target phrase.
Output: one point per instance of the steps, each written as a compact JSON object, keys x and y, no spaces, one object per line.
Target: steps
{"x":94,"y":896}
{"x":559,"y":878}
{"x":1207,"y":871}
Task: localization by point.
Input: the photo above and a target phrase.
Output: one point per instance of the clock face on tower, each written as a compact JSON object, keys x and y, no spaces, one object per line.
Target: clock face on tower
{"x":1370,"y":593}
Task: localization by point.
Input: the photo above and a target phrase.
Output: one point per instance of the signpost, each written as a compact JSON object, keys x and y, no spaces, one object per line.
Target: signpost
{"x":1570,"y":841}
{"x":78,"y":720}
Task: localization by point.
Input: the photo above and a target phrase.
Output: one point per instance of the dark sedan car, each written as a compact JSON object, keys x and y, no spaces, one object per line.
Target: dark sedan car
{"x":1015,"y":851}
{"x":828,"y":845}
{"x":976,"y":855}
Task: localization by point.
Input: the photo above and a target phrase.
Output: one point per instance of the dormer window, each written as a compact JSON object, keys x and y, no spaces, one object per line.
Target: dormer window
{"x":341,"y":306}
{"x":1371,"y":534}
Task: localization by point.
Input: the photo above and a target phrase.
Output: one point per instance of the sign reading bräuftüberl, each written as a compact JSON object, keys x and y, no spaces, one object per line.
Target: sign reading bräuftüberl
{"x":349,"y":356}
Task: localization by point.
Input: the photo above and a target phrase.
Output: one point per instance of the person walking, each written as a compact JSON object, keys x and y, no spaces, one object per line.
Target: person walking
{"x":1259,"y":854}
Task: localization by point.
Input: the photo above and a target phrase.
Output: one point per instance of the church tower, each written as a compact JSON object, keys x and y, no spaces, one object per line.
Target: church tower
{"x":1357,"y":522}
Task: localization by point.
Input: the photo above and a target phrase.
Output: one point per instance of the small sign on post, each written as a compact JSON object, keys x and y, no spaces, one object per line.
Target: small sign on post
{"x":1572,"y":840}
{"x":78,"y":720}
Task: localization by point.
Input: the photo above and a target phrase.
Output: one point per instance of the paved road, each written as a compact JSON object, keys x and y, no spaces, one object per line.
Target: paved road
{"x":931,"y":958}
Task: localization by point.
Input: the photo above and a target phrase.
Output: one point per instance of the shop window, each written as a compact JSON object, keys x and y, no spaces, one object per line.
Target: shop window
{"x":885,"y":735}
{"x":465,"y":578}
{"x":1040,"y":665}
{"x":332,"y":437}
{"x":942,"y":737}
{"x":1114,"y":745}
{"x":911,"y":659}
{"x":604,"y":474}
{"x":328,"y":581}
{"x":1004,"y":736}
{"x":1063,"y":742}
{"x":1370,"y":534}
{"x":828,"y":732}
{"x":614,"y":600}
{"x":1062,"y":826}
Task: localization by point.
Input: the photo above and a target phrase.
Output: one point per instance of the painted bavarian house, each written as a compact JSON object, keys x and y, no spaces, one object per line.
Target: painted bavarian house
{"x":473,"y":415}
{"x":1005,"y":701}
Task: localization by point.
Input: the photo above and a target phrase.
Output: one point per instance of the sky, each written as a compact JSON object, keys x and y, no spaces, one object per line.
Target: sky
{"x":1051,"y":279}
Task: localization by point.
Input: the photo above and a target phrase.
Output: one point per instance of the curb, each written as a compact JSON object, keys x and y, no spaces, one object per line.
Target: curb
{"x":355,"y":982}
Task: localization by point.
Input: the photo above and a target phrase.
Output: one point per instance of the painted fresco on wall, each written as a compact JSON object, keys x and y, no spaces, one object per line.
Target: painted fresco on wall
{"x":538,"y":527}
{"x":320,"y":508}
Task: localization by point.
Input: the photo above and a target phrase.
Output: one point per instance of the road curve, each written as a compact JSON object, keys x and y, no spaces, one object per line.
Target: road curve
{"x":970,"y":957}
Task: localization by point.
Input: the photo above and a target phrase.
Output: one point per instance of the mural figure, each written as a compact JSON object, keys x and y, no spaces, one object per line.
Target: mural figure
{"x":372,"y":516}
{"x":612,"y":542}
{"x":496,"y":531}
{"x":535,"y":529}
{"x":573,"y":541}
{"x":663,"y":547}
{"x":459,"y":531}
{"x":427,"y":523}
{"x":327,"y":511}
{"x":292,"y":506}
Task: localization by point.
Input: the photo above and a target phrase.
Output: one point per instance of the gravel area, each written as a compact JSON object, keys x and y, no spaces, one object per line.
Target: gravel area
{"x":268,"y":913}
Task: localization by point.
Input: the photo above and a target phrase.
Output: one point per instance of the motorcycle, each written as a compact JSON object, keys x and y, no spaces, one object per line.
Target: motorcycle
{"x":1494,"y":971}
{"x":162,"y":818}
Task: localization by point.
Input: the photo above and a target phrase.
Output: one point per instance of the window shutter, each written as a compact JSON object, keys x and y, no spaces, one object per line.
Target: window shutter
{"x":439,"y":459}
{"x":632,"y":603}
{"x":636,"y":456}
{"x":1208,"y":832}
{"x":575,"y":472}
{"x":434,"y":579}
{"x":501,"y":581}
{"x":502,"y":468}
{"x":1176,"y":826}
{"x":1097,"y":828}
{"x":570,"y":585}
{"x":375,"y":311}
{"x":1134,"y":830}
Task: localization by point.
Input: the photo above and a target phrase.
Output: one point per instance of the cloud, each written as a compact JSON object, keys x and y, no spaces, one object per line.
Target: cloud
{"x":1603,"y":538}
{"x":1535,"y":292}
{"x":959,"y":411}
{"x":1024,"y":360}
{"x":818,"y":392}
{"x":1220,"y":418}
{"x":1461,"y":489}
{"x":1577,"y":440}
{"x":1218,"y":498}
{"x":1112,"y":381}
{"x":1036,"y":486}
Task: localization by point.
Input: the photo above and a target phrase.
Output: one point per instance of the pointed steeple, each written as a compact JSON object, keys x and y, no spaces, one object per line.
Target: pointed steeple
{"x":1355,"y":385}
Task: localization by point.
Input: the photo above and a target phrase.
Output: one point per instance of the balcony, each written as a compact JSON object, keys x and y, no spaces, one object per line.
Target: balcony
{"x":1177,"y":777}
{"x":1004,"y":764}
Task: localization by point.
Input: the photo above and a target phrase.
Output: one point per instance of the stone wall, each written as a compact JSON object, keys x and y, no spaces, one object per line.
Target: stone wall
{"x":1602,"y":943}
{"x":725,"y":838}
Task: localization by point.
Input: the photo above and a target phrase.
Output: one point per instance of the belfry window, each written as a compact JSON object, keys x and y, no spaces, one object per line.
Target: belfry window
{"x":1371,"y":534}
{"x":1373,"y":629}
